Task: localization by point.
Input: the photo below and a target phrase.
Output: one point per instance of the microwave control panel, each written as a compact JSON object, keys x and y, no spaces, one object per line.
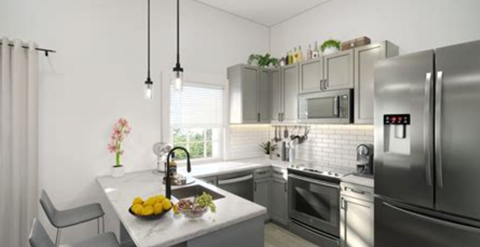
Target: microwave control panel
{"x":344,"y":106}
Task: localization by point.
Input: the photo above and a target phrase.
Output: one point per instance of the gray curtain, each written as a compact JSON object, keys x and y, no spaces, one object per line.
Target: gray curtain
{"x":18,"y":141}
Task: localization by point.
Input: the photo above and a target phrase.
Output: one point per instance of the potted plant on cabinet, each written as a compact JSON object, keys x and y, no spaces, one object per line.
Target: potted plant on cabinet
{"x":330,"y":46}
{"x":267,"y":148}
{"x":121,"y":129}
{"x":262,"y":61}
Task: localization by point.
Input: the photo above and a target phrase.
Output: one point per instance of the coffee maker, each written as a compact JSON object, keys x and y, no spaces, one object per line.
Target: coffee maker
{"x":365,"y":160}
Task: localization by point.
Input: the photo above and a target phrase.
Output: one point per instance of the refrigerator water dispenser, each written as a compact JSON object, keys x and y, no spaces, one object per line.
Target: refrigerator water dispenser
{"x":397,"y":134}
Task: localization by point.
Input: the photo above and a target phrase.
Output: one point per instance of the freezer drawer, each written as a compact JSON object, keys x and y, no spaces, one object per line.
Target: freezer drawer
{"x":396,"y":226}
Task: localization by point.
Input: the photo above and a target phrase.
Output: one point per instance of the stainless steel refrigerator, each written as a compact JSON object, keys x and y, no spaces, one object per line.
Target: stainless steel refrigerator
{"x":427,"y":148}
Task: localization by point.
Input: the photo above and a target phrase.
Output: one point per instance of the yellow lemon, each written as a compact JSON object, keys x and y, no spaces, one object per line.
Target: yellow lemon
{"x":158,"y":208}
{"x":137,"y":200}
{"x":175,"y":209}
{"x":159,"y":199}
{"x":149,"y":202}
{"x":137,"y":209}
{"x":147,"y":211}
{"x":166,"y":204}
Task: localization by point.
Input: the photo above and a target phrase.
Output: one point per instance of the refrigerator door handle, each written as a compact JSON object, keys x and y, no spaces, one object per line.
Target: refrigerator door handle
{"x":427,"y":123}
{"x":438,"y":127}
{"x":434,"y":220}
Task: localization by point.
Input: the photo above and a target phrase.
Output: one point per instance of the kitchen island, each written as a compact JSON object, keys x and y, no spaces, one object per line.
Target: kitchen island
{"x":237,"y":222}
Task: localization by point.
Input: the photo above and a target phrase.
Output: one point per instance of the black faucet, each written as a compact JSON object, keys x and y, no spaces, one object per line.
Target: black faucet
{"x":168,"y":185}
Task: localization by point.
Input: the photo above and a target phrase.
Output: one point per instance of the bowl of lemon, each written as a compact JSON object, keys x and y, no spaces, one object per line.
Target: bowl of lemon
{"x":152,"y":208}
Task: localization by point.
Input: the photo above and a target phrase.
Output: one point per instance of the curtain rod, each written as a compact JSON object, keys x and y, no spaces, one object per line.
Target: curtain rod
{"x":38,"y":49}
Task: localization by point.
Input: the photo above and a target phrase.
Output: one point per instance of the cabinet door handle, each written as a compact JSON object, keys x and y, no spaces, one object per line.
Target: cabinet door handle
{"x":326,"y":84}
{"x":255,"y":186}
{"x":258,"y":117}
{"x":285,"y":187}
{"x":343,"y":204}
{"x":279,"y":119}
{"x":321,"y":84}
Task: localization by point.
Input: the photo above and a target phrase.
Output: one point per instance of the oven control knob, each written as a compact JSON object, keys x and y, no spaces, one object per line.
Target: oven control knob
{"x":330,"y":173}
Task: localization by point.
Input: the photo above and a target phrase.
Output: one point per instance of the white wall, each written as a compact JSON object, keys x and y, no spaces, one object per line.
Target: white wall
{"x":97,"y":76}
{"x":411,"y":24}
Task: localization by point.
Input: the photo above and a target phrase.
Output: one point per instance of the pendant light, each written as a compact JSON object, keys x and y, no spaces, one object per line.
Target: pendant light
{"x":178,"y":70}
{"x":148,"y":82}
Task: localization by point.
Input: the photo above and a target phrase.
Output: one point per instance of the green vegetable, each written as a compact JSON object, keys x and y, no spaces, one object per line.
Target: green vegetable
{"x":263,"y":61}
{"x":330,"y":43}
{"x":206,"y":200}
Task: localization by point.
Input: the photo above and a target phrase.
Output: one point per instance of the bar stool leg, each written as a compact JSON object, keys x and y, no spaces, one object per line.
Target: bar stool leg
{"x":57,"y":239}
{"x":103,"y":224}
{"x":98,"y":226}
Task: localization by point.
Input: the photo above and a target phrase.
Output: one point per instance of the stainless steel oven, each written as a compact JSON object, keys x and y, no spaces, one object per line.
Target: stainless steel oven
{"x":326,"y":107}
{"x":314,"y":209}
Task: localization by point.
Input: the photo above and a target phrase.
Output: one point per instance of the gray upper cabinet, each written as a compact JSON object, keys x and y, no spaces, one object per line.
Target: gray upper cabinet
{"x":365,"y":59}
{"x":276,"y":95}
{"x":311,"y":75}
{"x":264,"y":96}
{"x":290,"y":93}
{"x":249,"y":94}
{"x":338,"y":69}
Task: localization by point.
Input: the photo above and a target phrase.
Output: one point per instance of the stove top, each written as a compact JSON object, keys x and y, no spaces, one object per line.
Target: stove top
{"x":318,"y":172}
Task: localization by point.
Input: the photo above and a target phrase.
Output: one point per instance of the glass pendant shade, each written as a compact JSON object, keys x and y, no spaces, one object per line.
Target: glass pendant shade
{"x":178,"y":80}
{"x":148,"y":90}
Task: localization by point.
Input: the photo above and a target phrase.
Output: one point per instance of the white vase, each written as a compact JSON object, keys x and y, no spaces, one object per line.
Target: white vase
{"x":118,"y":171}
{"x":330,"y":50}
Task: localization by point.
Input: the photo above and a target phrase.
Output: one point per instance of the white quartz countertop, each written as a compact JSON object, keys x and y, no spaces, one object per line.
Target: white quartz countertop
{"x":364,"y":181}
{"x":225,"y":167}
{"x":171,"y":229}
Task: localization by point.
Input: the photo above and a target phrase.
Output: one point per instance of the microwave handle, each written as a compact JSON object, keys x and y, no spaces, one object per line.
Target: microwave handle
{"x":336,"y":106}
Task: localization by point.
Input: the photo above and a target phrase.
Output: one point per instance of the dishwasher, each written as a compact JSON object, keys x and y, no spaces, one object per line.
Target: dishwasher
{"x":240,"y":184}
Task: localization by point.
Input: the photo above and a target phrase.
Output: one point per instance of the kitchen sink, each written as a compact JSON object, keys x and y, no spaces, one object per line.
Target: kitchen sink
{"x":193,"y":191}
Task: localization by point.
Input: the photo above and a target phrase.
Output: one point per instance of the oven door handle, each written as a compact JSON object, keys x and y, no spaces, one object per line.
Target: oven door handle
{"x":313,"y":181}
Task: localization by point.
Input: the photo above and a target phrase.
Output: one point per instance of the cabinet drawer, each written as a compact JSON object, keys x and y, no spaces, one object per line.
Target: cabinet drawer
{"x":262,"y":173}
{"x":280,"y":173}
{"x":357,"y":191}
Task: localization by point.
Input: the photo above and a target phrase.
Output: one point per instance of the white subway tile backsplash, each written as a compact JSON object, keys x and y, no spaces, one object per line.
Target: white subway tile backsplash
{"x":327,"y":145}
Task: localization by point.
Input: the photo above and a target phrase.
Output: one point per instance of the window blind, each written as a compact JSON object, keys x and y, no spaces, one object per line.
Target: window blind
{"x":196,"y":106}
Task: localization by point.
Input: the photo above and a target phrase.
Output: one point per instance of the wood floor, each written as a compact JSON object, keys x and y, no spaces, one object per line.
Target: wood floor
{"x":276,"y":236}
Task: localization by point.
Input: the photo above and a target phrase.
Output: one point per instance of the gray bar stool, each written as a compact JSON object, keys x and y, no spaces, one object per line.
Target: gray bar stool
{"x":65,"y":218}
{"x":39,"y":238}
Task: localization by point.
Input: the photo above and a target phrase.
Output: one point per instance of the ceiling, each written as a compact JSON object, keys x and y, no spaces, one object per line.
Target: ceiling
{"x":265,"y":12}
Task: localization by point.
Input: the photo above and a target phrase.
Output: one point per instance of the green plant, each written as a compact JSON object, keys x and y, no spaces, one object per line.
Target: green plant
{"x":268,"y":147}
{"x":263,"y":60}
{"x":330,"y":43}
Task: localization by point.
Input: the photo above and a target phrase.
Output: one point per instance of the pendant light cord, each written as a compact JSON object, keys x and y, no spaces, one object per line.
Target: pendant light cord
{"x":148,"y":40}
{"x":178,"y":33}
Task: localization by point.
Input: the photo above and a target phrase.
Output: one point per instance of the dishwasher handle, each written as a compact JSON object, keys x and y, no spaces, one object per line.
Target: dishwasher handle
{"x":235,"y":180}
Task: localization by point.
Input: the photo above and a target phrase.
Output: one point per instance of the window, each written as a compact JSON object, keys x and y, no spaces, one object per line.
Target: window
{"x":197,"y":120}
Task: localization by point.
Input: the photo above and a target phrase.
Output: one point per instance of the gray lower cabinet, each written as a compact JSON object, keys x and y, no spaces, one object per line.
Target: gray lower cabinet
{"x":280,"y":200}
{"x":357,"y":216}
{"x":311,"y":75}
{"x":249,"y":91}
{"x":262,"y":194}
{"x":338,"y":70}
{"x":365,"y":59}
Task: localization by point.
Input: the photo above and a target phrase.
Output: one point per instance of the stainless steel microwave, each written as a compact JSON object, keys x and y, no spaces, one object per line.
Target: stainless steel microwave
{"x":326,"y":107}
